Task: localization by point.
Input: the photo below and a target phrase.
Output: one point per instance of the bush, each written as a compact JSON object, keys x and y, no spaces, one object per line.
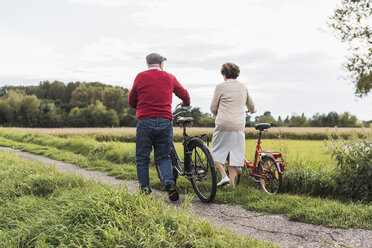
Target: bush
{"x":354,"y":171}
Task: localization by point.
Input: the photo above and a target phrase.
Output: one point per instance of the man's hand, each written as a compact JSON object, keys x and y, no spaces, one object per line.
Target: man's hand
{"x":186,"y":107}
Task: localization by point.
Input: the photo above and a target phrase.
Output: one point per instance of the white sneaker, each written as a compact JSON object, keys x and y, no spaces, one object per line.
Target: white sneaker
{"x":224,"y":181}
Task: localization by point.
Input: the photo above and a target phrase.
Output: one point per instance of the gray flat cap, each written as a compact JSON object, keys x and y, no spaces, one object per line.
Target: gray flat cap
{"x":155,"y":58}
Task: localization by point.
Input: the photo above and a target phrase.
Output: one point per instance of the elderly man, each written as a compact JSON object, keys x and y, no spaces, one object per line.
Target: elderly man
{"x":151,"y":96}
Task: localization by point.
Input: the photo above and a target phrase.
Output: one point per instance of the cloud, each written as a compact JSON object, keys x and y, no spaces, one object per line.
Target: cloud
{"x":26,"y":57}
{"x":103,"y":3}
{"x":109,"y":49}
{"x":195,"y":14}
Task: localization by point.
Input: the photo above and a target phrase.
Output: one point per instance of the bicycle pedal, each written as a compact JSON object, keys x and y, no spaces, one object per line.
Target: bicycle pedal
{"x":202,"y":179}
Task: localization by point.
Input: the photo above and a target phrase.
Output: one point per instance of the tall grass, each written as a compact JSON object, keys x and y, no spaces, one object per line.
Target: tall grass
{"x":354,"y":168}
{"x":40,"y":207}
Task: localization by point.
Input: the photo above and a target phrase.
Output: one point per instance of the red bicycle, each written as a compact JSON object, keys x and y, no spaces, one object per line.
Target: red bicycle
{"x":267,"y":167}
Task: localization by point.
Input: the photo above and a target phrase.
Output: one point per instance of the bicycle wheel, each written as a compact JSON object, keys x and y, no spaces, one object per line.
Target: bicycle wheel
{"x":203,"y":177}
{"x":272,"y":180}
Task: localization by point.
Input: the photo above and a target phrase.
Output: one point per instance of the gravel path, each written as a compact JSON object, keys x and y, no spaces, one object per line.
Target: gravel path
{"x":267,"y":227}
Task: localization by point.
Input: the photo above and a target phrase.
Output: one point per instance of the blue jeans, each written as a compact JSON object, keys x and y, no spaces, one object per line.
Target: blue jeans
{"x":158,"y":133}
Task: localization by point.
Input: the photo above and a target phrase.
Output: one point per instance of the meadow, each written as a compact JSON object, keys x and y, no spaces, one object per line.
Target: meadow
{"x":310,"y":193}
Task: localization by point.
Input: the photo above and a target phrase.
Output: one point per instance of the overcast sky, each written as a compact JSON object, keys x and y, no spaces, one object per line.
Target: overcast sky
{"x":290,"y":61}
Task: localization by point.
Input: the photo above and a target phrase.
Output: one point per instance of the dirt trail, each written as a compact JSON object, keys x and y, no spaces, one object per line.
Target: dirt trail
{"x":267,"y":227}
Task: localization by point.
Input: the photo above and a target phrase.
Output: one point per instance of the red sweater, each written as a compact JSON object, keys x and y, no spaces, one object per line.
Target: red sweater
{"x":152,"y":94}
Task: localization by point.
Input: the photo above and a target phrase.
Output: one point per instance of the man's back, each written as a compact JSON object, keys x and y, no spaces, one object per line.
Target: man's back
{"x":152,"y":93}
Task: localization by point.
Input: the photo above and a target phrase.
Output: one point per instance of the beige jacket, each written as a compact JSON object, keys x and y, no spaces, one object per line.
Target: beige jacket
{"x":228,"y":103}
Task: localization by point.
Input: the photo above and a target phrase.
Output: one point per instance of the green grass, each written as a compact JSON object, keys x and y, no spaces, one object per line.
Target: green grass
{"x":40,"y":207}
{"x":299,"y":179}
{"x":315,"y":150}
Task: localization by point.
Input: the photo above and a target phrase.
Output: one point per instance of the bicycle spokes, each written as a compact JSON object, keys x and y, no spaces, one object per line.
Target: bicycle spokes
{"x":270,"y":177}
{"x":201,"y":165}
{"x":203,"y":176}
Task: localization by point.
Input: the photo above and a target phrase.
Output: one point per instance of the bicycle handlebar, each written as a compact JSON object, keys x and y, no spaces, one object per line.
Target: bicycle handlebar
{"x":186,"y":109}
{"x":174,"y":115}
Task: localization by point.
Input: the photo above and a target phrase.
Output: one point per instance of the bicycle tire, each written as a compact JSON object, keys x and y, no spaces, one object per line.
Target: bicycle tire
{"x":203,"y":178}
{"x":272,"y":183}
{"x":174,"y":165}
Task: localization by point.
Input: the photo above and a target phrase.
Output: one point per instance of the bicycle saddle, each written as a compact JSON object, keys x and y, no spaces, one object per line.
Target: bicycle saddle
{"x":262,"y":126}
{"x":184,"y":119}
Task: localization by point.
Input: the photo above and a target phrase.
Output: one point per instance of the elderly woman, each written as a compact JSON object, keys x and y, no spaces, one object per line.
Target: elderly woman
{"x":228,"y":103}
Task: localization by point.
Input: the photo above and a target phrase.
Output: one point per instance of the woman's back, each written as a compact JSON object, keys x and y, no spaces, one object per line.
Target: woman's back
{"x":229,"y":101}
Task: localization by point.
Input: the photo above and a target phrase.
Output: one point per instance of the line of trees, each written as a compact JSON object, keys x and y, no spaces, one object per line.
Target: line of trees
{"x":77,"y":104}
{"x":58,"y":105}
{"x":331,"y":119}
{"x":94,"y":104}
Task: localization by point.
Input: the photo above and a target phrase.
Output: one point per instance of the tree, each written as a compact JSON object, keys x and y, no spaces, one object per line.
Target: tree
{"x":128,"y":118}
{"x":115,"y":98}
{"x":280,"y":121}
{"x":298,"y":121}
{"x":352,"y":23}
{"x":196,"y":114}
{"x":3,"y":106}
{"x":70,"y":88}
{"x":87,"y":93}
{"x":348,"y":120}
{"x":331,"y":120}
{"x":12,"y":106}
{"x":49,"y":116}
{"x":78,"y":117}
{"x":30,"y":111}
{"x":101,"y":117}
{"x":286,"y":121}
{"x":267,"y":118}
{"x":317,"y":120}
{"x":57,"y":91}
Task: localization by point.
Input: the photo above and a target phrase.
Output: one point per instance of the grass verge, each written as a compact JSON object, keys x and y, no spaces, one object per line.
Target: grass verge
{"x":40,"y":207}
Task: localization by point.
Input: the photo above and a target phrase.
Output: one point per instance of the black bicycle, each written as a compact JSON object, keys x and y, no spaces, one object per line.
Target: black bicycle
{"x":198,"y":164}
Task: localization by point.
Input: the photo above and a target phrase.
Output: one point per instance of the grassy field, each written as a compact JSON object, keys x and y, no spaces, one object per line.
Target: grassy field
{"x":191,"y":129}
{"x":40,"y":207}
{"x":307,"y":178}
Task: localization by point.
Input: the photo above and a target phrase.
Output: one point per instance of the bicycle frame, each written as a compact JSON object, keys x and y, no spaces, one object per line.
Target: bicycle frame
{"x":259,"y":153}
{"x":185,"y":141}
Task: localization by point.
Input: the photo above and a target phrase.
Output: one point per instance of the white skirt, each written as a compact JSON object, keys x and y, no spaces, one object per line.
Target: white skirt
{"x":228,"y":145}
